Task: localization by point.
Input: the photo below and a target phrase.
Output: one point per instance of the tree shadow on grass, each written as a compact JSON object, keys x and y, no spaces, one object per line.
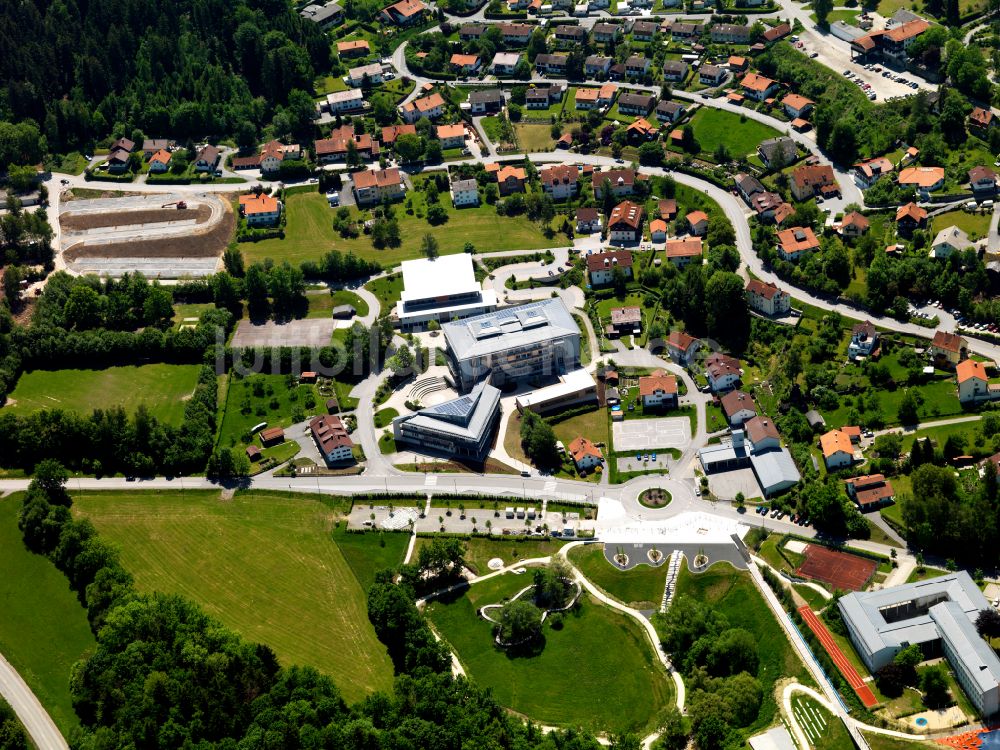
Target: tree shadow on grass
{"x":525,"y":650}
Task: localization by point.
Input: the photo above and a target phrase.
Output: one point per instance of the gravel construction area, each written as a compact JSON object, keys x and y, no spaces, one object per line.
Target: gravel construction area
{"x":85,"y":221}
{"x":311,"y":332}
{"x":205,"y":244}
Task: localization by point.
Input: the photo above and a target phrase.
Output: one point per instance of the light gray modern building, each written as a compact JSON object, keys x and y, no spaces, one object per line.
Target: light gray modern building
{"x":462,"y":427}
{"x":939,"y":615}
{"x":536,"y":340}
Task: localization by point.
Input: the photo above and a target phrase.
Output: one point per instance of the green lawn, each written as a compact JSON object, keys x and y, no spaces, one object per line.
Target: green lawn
{"x":813,"y":598}
{"x":883,"y":742}
{"x":533,"y":137}
{"x":370,"y":552}
{"x":734,"y":594}
{"x":480,"y":550}
{"x":43,"y":627}
{"x":592,"y":425}
{"x":71,"y":163}
{"x":162,"y":388}
{"x":925,"y":572}
{"x":265,"y":565}
{"x":974,"y":225}
{"x":384,"y":417}
{"x":571,"y":682}
{"x":321,"y":303}
{"x":182,"y":312}
{"x":641,"y":587}
{"x":329,"y":85}
{"x":309,"y":233}
{"x":715,"y":126}
{"x":276,"y":400}
{"x":388,"y":289}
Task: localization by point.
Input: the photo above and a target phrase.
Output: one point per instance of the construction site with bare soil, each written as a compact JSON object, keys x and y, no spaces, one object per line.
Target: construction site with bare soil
{"x":165,"y":235}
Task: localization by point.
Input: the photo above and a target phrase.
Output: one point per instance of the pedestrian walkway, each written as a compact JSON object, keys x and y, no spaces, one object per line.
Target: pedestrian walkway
{"x":843,"y":664}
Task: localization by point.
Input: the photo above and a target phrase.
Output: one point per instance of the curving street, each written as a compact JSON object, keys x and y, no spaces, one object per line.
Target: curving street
{"x":32,"y":715}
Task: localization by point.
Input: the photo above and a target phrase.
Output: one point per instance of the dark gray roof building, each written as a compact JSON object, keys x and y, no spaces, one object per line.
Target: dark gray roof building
{"x":462,"y":427}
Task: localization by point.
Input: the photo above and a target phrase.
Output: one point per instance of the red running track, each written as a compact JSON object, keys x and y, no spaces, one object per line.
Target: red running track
{"x":846,"y":668}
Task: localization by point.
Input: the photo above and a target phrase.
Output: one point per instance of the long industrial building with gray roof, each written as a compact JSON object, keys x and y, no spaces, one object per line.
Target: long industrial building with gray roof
{"x":938,"y":615}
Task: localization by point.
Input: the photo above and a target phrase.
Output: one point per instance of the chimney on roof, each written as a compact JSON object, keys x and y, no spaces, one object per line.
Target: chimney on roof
{"x":614,"y":259}
{"x":607,"y":262}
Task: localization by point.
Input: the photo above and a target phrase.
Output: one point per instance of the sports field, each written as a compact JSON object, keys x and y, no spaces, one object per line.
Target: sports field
{"x":841,"y":570}
{"x":162,"y":388}
{"x":264,"y":564}
{"x":598,"y":671}
{"x":43,"y":627}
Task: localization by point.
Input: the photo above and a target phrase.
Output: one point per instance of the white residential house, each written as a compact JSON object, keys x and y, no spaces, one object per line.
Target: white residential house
{"x":658,"y":390}
{"x":838,"y":450}
{"x":465,"y":193}
{"x":601,"y":266}
{"x":973,"y":384}
{"x":767,"y":298}
{"x":356,"y":76}
{"x":505,"y":63}
{"x":950,"y":240}
{"x":723,"y":372}
{"x":864,"y":340}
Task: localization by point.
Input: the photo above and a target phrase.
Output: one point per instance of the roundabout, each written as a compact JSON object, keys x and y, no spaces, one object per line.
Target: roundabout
{"x":655,"y":497}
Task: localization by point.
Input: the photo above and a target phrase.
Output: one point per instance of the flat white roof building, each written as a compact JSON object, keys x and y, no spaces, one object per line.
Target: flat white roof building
{"x":575,"y":387}
{"x":939,"y":615}
{"x":441,"y":289}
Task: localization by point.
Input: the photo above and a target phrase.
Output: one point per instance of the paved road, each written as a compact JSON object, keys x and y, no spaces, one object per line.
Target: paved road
{"x":36,"y":720}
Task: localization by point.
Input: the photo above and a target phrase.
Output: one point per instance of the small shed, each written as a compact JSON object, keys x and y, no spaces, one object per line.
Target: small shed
{"x":253,"y":453}
{"x":332,"y":405}
{"x":815,"y":419}
{"x":272,"y":436}
{"x":344,"y":312}
{"x":307,"y":377}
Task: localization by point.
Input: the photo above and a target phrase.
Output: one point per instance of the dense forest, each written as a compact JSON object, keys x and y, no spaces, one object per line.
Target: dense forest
{"x":185,"y":68}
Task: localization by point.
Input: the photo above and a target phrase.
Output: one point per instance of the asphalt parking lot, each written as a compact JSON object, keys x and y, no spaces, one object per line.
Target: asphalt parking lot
{"x":650,"y":434}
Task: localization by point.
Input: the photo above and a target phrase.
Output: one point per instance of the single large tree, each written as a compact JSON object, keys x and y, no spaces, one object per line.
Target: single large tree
{"x":520,"y":621}
{"x":988,"y":623}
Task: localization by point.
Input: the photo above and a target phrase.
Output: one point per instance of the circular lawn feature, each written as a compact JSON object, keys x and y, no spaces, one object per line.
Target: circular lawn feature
{"x":655,"y":497}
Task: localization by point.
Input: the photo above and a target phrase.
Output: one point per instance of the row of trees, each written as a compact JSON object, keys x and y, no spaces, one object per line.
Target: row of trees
{"x":112,"y":441}
{"x":953,"y":519}
{"x":83,"y":303}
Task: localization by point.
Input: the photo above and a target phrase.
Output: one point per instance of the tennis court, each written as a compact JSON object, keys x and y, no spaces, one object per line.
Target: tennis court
{"x":841,"y":570}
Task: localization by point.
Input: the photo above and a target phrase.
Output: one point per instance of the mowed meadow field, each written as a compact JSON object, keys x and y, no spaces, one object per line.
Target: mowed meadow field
{"x":266,"y":565}
{"x":164,"y":389}
{"x":43,"y":627}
